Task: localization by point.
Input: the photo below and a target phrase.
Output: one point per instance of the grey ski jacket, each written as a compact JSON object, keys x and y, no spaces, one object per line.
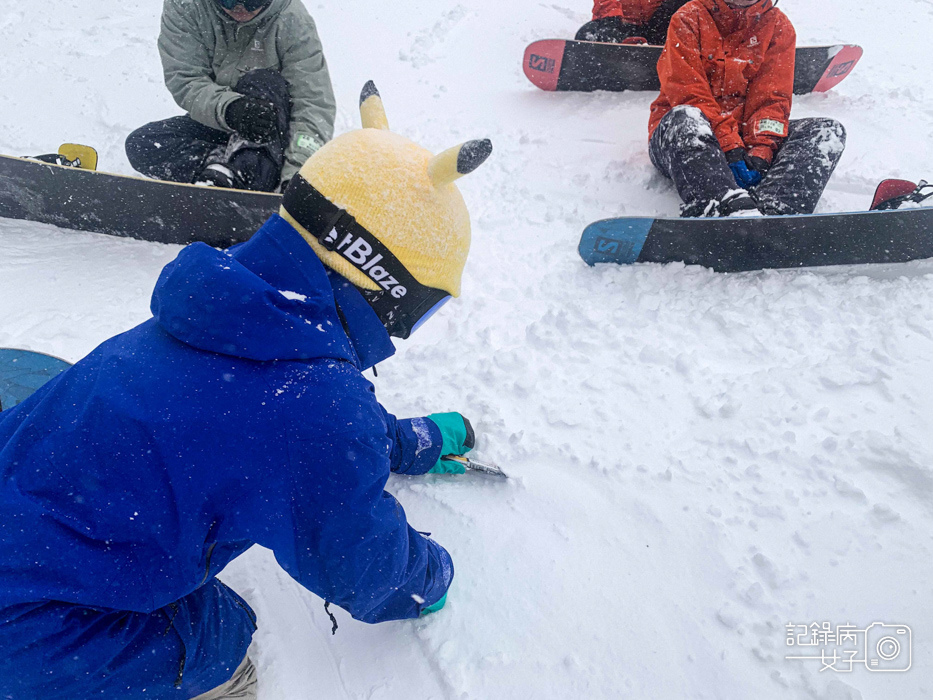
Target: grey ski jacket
{"x":205,"y":52}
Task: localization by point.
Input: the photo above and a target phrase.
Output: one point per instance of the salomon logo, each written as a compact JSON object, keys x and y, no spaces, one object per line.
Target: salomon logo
{"x":607,"y":245}
{"x":541,"y":63}
{"x":360,"y":254}
{"x":619,"y":250}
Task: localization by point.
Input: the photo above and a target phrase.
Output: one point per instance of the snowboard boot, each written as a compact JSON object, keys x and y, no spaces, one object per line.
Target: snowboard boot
{"x":736,"y":203}
{"x":218,"y":169}
{"x":218,"y":175}
{"x":243,"y":165}
{"x":894,"y":194}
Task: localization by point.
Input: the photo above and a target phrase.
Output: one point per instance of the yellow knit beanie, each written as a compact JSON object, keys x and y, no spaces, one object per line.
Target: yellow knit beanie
{"x":397,"y":191}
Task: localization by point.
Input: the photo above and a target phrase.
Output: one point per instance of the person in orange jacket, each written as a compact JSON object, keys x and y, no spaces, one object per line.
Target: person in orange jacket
{"x":627,"y":21}
{"x":721,"y":127}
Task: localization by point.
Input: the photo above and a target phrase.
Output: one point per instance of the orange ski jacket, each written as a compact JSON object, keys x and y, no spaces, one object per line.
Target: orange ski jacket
{"x":632,"y":11}
{"x":737,"y":66}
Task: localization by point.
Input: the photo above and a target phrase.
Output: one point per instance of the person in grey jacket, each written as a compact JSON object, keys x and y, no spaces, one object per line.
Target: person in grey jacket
{"x":252,"y":77}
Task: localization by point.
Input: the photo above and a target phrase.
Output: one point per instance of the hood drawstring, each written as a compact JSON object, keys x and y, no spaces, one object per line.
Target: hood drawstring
{"x":331,"y":616}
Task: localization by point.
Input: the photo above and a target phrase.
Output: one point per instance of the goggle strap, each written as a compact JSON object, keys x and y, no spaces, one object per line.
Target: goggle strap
{"x":400,"y":296}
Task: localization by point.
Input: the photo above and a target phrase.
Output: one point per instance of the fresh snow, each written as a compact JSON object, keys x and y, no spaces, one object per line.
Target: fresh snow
{"x":697,"y":459}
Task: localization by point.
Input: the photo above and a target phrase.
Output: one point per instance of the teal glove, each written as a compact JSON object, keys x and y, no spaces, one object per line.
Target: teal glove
{"x":458,"y":437}
{"x":434,"y":608}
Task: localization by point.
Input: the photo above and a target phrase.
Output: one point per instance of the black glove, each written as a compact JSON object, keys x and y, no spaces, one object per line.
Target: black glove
{"x":756,"y":163}
{"x":759,"y":165}
{"x":252,"y":118}
{"x":735,"y":155}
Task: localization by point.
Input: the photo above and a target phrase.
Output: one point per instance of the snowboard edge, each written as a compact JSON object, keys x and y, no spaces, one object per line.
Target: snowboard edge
{"x":771,"y":242}
{"x":130,"y":206}
{"x":568,"y":65}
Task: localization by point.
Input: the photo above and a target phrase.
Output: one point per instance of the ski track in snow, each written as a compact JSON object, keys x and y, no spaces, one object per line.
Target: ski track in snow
{"x":697,"y":459}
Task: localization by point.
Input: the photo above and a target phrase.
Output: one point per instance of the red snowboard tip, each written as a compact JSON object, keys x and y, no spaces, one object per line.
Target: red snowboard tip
{"x":889,"y":189}
{"x":542,"y":63}
{"x":839,"y":68}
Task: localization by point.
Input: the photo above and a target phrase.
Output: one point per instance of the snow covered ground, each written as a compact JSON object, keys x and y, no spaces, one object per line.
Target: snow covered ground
{"x":697,"y":459}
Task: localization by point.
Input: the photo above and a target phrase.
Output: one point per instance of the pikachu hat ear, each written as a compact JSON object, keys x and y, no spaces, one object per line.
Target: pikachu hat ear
{"x":458,"y":161}
{"x":372,"y":111}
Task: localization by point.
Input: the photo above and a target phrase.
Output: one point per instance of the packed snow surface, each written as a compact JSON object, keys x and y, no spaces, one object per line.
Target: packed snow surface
{"x":697,"y":459}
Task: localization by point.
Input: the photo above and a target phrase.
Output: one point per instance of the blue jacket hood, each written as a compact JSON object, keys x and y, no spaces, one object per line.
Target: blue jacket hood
{"x":270,"y":298}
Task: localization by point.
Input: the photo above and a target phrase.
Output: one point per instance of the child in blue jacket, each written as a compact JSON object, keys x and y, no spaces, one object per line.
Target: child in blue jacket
{"x":237,"y":415}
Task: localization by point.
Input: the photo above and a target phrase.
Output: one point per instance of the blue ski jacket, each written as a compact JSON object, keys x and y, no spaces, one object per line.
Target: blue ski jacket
{"x":237,"y":415}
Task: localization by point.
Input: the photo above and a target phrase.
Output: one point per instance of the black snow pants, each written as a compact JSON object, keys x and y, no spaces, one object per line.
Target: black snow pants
{"x":684,"y":149}
{"x":615,"y":30}
{"x":179,"y":148}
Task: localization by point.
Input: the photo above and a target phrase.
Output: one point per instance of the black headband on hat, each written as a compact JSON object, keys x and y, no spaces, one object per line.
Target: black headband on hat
{"x":401,"y":300}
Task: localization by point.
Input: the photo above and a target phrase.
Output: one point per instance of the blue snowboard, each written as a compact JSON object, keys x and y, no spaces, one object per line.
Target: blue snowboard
{"x":22,"y":372}
{"x":737,"y":245}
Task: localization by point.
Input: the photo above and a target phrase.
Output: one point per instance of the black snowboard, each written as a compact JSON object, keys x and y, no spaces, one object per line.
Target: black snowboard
{"x":736,"y":245}
{"x":134,"y":207}
{"x":558,"y":64}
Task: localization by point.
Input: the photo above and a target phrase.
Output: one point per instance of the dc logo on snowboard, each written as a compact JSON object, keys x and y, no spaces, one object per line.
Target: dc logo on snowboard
{"x":541,"y":63}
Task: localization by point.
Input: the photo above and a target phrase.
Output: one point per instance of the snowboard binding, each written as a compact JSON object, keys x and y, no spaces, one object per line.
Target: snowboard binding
{"x":71,"y":155}
{"x":893,"y":194}
{"x":58,"y":159}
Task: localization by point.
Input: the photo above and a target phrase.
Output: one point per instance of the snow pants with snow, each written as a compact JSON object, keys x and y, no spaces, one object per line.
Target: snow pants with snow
{"x":684,"y":149}
{"x":179,"y":148}
{"x":615,"y":30}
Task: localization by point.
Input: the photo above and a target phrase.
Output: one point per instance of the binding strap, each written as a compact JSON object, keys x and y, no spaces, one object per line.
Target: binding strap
{"x":923,"y":192}
{"x":402,"y":300}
